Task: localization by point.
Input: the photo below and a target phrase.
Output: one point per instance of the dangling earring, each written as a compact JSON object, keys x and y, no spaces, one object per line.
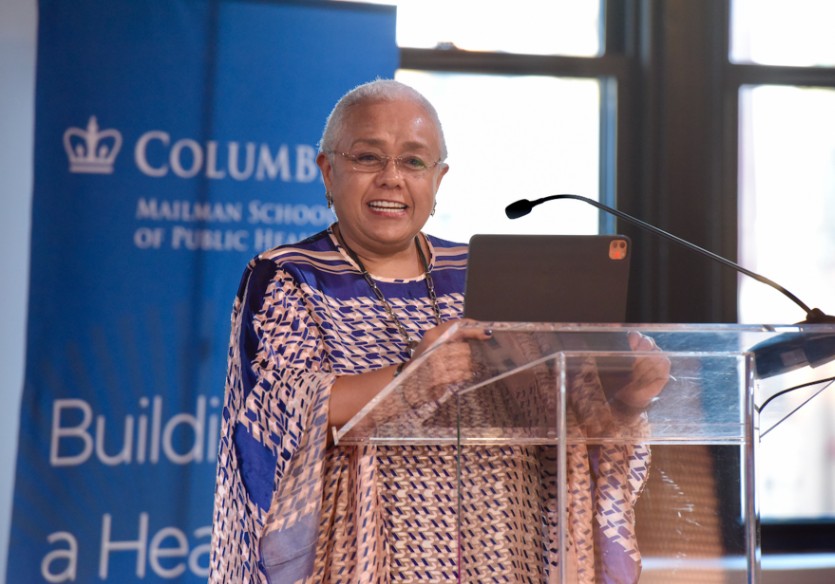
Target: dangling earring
{"x":434,"y":204}
{"x":329,"y":199}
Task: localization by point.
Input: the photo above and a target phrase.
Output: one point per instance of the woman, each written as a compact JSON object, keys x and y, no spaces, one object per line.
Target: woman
{"x":319,"y":328}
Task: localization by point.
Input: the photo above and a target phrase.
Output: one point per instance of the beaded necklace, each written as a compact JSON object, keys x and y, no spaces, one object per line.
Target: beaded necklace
{"x":411,"y":343}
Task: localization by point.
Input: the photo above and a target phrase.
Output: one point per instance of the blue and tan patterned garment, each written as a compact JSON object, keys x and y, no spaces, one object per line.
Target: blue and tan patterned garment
{"x":289,"y":508}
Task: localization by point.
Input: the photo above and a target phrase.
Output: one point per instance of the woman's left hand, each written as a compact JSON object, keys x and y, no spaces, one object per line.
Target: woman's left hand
{"x":650,"y":373}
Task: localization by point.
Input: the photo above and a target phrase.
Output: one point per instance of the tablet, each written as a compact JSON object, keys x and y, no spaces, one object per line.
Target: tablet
{"x":547,"y":278}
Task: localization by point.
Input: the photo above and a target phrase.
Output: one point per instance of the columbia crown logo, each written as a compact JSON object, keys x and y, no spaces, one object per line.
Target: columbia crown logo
{"x":92,"y":151}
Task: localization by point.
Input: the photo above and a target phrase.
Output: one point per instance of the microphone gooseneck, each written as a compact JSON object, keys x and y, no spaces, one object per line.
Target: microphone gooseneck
{"x":813,"y":315}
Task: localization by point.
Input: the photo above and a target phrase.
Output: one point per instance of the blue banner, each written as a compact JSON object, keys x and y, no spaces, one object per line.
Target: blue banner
{"x":174,"y":140}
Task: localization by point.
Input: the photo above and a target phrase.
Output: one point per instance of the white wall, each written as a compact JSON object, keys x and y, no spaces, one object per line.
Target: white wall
{"x":17,"y":93}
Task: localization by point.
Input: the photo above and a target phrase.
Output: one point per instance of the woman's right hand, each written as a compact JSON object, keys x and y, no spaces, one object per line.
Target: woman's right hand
{"x":351,"y":392}
{"x":462,"y":334}
{"x":452,"y":364}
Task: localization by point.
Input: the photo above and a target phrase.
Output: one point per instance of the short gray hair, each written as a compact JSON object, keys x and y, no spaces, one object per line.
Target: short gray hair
{"x":379,"y":90}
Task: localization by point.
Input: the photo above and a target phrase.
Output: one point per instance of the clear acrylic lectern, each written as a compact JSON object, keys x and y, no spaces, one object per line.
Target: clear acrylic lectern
{"x":695,"y":518}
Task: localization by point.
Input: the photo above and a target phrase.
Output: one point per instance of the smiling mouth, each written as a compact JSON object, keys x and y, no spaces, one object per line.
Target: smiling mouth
{"x":387,"y":206}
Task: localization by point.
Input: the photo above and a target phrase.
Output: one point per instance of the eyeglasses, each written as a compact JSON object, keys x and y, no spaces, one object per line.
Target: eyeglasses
{"x":370,"y":162}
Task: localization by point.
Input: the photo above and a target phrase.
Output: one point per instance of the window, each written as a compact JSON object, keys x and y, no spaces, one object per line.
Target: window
{"x":786,"y":216}
{"x":508,"y":140}
{"x":533,"y":27}
{"x":787,"y":198}
{"x":521,"y":107}
{"x":783,"y":32}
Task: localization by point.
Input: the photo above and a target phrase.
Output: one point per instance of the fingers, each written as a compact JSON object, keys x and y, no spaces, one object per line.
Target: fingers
{"x":478,"y":334}
{"x":463,"y":333}
{"x":639,"y":342}
{"x":651,"y":369}
{"x":650,"y":374}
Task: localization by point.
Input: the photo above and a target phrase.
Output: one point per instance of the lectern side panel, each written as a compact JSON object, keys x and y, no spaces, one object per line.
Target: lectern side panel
{"x":692,"y":518}
{"x":417,"y":486}
{"x":699,"y":398}
{"x":508,"y":513}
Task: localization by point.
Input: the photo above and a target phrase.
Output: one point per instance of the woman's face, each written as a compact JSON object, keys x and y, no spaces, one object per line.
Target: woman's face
{"x":381,"y":212}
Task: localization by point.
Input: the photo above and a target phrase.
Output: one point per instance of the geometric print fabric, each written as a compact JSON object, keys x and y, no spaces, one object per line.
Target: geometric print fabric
{"x":289,"y":507}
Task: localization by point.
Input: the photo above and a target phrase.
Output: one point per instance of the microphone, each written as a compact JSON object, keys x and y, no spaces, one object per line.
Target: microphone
{"x":777,"y":355}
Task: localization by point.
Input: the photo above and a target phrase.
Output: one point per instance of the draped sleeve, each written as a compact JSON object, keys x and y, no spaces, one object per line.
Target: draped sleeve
{"x":274,"y":420}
